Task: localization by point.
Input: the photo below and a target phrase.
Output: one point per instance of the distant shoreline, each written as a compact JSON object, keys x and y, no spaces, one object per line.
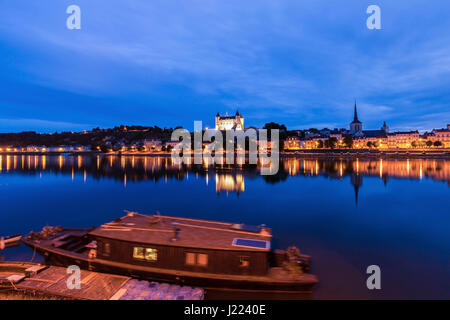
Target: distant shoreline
{"x":310,"y":153}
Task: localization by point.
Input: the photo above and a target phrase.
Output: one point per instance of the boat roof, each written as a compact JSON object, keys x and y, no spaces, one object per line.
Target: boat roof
{"x":195,"y":233}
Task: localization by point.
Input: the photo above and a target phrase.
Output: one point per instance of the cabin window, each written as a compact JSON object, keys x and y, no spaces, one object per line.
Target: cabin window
{"x":202,"y":259}
{"x":106,"y":249}
{"x":244,"y":261}
{"x":149,"y":254}
{"x":138,"y":253}
{"x":190,"y":258}
{"x":196,"y":259}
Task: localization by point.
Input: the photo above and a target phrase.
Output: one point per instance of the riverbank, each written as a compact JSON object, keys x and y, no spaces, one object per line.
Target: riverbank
{"x":363,"y":153}
{"x":303,"y":153}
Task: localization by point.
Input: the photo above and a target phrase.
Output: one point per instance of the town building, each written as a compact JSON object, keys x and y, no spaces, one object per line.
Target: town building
{"x":338,"y":134}
{"x":314,"y":143}
{"x":441,"y":135}
{"x":311,"y":134}
{"x":372,"y":139}
{"x":294,"y":143}
{"x":153,"y":144}
{"x":171,"y":143}
{"x":227,"y":122}
{"x":402,"y":139}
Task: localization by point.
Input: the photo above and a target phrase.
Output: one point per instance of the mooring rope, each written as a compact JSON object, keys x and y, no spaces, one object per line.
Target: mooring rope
{"x":34,"y":254}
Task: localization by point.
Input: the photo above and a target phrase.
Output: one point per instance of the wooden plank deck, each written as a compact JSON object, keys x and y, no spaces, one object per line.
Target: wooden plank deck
{"x":94,"y":285}
{"x":51,"y":281}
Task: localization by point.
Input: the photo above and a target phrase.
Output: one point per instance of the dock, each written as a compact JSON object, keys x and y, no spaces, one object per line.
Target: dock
{"x":51,"y":282}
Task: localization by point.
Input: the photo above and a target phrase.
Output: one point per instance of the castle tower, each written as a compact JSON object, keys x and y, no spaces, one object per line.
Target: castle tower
{"x":239,"y":121}
{"x":355,"y":125}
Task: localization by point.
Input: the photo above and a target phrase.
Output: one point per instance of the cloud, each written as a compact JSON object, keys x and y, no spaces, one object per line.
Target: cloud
{"x":43,"y":125}
{"x":299,"y":63}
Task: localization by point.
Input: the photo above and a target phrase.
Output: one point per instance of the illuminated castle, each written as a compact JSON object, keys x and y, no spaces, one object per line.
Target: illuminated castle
{"x":227,"y":122}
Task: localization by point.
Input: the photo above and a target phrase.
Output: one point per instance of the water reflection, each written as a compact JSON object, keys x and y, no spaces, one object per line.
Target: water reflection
{"x":229,"y":183}
{"x":436,"y":169}
{"x":227,"y":178}
{"x":417,"y":169}
{"x":309,"y":203}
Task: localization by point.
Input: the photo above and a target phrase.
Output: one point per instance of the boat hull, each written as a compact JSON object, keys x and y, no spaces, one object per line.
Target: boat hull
{"x":12,"y":241}
{"x":216,"y":287}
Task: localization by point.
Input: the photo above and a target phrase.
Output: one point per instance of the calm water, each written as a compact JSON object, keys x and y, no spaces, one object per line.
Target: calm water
{"x":346,"y":214}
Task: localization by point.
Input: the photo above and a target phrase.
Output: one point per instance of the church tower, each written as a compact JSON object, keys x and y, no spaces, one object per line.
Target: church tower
{"x":385,"y":128}
{"x":355,"y":125}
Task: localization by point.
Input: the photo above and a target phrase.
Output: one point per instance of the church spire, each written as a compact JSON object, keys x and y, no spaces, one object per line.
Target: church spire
{"x":355,"y":117}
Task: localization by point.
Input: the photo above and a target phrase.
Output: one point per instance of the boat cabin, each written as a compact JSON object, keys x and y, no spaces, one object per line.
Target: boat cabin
{"x":184,"y":244}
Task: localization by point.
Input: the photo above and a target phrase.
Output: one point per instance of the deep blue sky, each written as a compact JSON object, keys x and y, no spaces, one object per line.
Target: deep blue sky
{"x":169,"y":63}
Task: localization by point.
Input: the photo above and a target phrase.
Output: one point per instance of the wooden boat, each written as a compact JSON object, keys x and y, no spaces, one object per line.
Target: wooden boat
{"x":10,"y":241}
{"x":228,"y":260}
{"x":13,"y":272}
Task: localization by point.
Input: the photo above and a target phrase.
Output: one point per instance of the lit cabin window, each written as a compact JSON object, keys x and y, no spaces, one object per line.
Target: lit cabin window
{"x":148,"y":254}
{"x":138,"y":253}
{"x":151,"y":254}
{"x":244,"y":261}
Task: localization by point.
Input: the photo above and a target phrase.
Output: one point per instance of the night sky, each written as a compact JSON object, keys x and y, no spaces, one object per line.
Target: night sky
{"x":168,"y":63}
